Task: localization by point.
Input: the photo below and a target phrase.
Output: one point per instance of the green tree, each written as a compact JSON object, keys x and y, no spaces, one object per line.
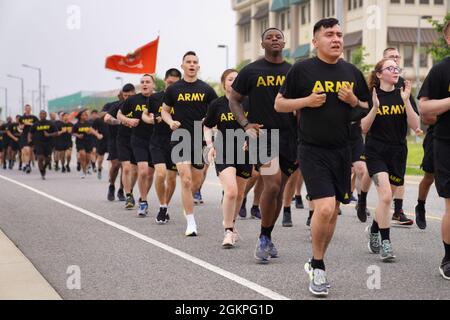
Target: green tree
{"x":241,"y":65}
{"x":439,"y":49}
{"x":358,"y":58}
{"x":160,"y":85}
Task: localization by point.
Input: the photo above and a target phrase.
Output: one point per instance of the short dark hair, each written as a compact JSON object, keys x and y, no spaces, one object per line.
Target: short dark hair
{"x":94,"y":111}
{"x":149,"y":75}
{"x":189,"y":53}
{"x":271,"y":29}
{"x":173,"y":73}
{"x":325,"y":23}
{"x":389,"y":49}
{"x":128,"y":88}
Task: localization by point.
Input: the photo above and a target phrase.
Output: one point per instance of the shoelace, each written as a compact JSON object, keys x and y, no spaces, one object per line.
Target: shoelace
{"x":320,"y":277}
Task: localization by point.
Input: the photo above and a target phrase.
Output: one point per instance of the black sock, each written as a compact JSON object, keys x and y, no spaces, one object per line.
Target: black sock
{"x":385,"y":234}
{"x":266,"y":232}
{"x":311,"y":213}
{"x":374,"y":228}
{"x":229,"y":229}
{"x":421,"y":204}
{"x":244,"y":203}
{"x":255,"y":207}
{"x":362,"y":201}
{"x":398,"y":205}
{"x":318,"y":264}
{"x":287,"y":209}
{"x":299,"y":198}
{"x":447,"y":252}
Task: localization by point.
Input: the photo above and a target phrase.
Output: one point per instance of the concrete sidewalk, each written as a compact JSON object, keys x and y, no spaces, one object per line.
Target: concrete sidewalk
{"x":19,"y":279}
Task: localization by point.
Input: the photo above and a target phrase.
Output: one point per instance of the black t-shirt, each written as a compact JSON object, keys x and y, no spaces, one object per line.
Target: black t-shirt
{"x":133,"y":108}
{"x":390,"y":125}
{"x":83,"y":129}
{"x":66,"y":128}
{"x":13,"y":128}
{"x":437,"y":87}
{"x":101,"y":127}
{"x":329,"y":125}
{"x":28,"y":121}
{"x":161,"y":131}
{"x":190,"y":102}
{"x":38,"y":129}
{"x":123,"y":132}
{"x":3,"y":135}
{"x":261,"y":81}
{"x":112,"y":129}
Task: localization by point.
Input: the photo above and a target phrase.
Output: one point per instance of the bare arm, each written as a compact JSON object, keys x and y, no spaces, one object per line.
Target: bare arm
{"x":428,"y":120}
{"x":412,"y":117}
{"x":109,"y":119}
{"x":434,"y":107}
{"x":237,"y":109}
{"x":11,"y":136}
{"x":366,"y":123}
{"x":167,"y":118}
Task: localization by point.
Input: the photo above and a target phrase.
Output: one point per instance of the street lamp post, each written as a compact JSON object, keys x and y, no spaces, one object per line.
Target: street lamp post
{"x":419,"y":39}
{"x":121,"y":81}
{"x":21,"y":81}
{"x":40,"y":82}
{"x":33,"y":100}
{"x":44,"y":96}
{"x":6,"y":101}
{"x":224,"y":46}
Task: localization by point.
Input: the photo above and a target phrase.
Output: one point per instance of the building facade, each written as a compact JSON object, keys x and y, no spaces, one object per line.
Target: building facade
{"x":374,"y":24}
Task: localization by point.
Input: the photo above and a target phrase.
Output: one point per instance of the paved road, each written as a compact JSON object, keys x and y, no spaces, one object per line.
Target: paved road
{"x":66,"y":221}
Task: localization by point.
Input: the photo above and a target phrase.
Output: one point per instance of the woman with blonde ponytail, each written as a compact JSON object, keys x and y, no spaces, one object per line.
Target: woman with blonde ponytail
{"x":386,"y":127}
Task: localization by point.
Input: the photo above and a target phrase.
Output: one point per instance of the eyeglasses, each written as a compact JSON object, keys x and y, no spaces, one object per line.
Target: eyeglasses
{"x":393,"y":69}
{"x":395,"y":57}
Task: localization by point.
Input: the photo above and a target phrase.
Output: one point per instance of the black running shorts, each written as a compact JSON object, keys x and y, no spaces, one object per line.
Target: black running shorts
{"x":428,"y":157}
{"x":141,"y":150}
{"x":442,"y":167}
{"x":162,"y":155}
{"x":383,"y":157}
{"x":124,"y":151}
{"x":327,"y":172}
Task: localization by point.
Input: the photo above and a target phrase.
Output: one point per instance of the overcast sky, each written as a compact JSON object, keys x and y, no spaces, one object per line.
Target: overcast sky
{"x":72,"y":51}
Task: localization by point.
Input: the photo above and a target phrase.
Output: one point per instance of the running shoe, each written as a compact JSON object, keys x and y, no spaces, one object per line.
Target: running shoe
{"x":197,"y":198}
{"x":121,"y":195}
{"x":191,"y":231}
{"x":445,"y":270}
{"x":68,"y":168}
{"x":228,"y":241}
{"x":386,"y":251}
{"x":78,"y":166}
{"x":63,"y":169}
{"x":163,"y":216}
{"x":353,"y":198}
{"x":255,"y":213}
{"x":111,"y":192}
{"x":374,"y":241}
{"x":56,"y":168}
{"x":130,"y":203}
{"x":318,"y":284}
{"x":421,"y":219}
{"x":243,"y":212}
{"x":262,"y":253}
{"x":143,"y":209}
{"x":99,"y":174}
{"x":28,"y":169}
{"x":287,"y":219}
{"x":273,"y":252}
{"x":400,"y":219}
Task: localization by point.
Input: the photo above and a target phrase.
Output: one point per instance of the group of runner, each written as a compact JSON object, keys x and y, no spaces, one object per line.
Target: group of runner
{"x":276,"y":126}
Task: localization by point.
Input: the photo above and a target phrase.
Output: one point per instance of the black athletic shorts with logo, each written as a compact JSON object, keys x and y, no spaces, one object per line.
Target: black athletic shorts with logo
{"x":383,"y":157}
{"x":141,"y":150}
{"x":23,"y":142}
{"x":287,"y":152}
{"x":43,"y":149}
{"x":14,"y":145}
{"x":442,"y":167}
{"x":84,"y":145}
{"x":112,"y":149}
{"x":357,"y":150}
{"x":428,"y":157}
{"x":327,"y":172}
{"x":124,"y":151}
{"x":161,"y":154}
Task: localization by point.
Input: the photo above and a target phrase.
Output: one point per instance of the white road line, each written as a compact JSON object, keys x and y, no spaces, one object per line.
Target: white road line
{"x":230,"y":276}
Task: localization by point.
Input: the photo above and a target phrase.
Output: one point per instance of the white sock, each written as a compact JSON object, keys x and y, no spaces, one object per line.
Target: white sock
{"x":191,"y":220}
{"x":164,"y":206}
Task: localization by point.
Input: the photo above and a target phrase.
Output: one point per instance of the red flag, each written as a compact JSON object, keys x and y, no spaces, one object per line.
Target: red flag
{"x":143,"y":60}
